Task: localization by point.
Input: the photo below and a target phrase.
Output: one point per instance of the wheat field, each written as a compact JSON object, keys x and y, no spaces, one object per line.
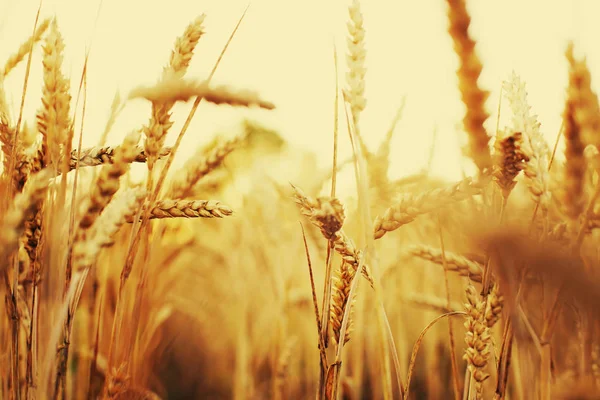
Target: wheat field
{"x":128,"y":272}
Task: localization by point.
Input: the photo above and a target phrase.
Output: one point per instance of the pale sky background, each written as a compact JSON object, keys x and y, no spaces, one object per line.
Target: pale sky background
{"x":284,"y":50}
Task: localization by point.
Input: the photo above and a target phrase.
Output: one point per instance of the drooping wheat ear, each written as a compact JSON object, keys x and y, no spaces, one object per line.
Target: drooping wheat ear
{"x":327,"y":215}
{"x":411,"y":206}
{"x":454,"y":262}
{"x":188,"y":209}
{"x":107,"y":182}
{"x":53,"y":118}
{"x":123,"y":207}
{"x":478,"y":340}
{"x":579,"y":118}
{"x":200,"y":165}
{"x":509,"y":161}
{"x":534,"y":145}
{"x":356,"y":62}
{"x":473,"y":97}
{"x":23,"y":50}
{"x":23,"y":205}
{"x":494,"y":304}
{"x":160,"y":121}
{"x":340,"y":293}
{"x":326,"y":212}
{"x":172,"y":89}
{"x":94,"y":156}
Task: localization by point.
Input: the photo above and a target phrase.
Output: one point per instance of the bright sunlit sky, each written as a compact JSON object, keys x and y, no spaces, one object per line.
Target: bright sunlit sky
{"x":284,"y":50}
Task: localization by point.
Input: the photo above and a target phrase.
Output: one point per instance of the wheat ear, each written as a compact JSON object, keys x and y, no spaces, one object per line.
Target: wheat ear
{"x":478,"y":340}
{"x":534,"y":145}
{"x":454,"y":262}
{"x":199,"y":166}
{"x":53,"y":119}
{"x":473,"y":97}
{"x":580,"y":117}
{"x":25,"y":47}
{"x":188,"y":209}
{"x":411,"y":206}
{"x":23,"y":205}
{"x":160,"y":121}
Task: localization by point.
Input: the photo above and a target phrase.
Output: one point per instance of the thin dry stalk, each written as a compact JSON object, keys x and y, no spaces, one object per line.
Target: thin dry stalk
{"x":322,"y":347}
{"x":417,"y":346}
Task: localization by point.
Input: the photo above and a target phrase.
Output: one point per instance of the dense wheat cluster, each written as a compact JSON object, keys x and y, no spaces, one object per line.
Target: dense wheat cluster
{"x":184,"y":287}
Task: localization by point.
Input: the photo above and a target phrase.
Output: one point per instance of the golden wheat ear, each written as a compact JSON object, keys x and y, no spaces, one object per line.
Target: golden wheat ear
{"x":473,"y":97}
{"x":53,"y":118}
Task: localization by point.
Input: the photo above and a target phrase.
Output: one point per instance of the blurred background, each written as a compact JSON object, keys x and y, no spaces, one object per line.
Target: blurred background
{"x":284,"y":50}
